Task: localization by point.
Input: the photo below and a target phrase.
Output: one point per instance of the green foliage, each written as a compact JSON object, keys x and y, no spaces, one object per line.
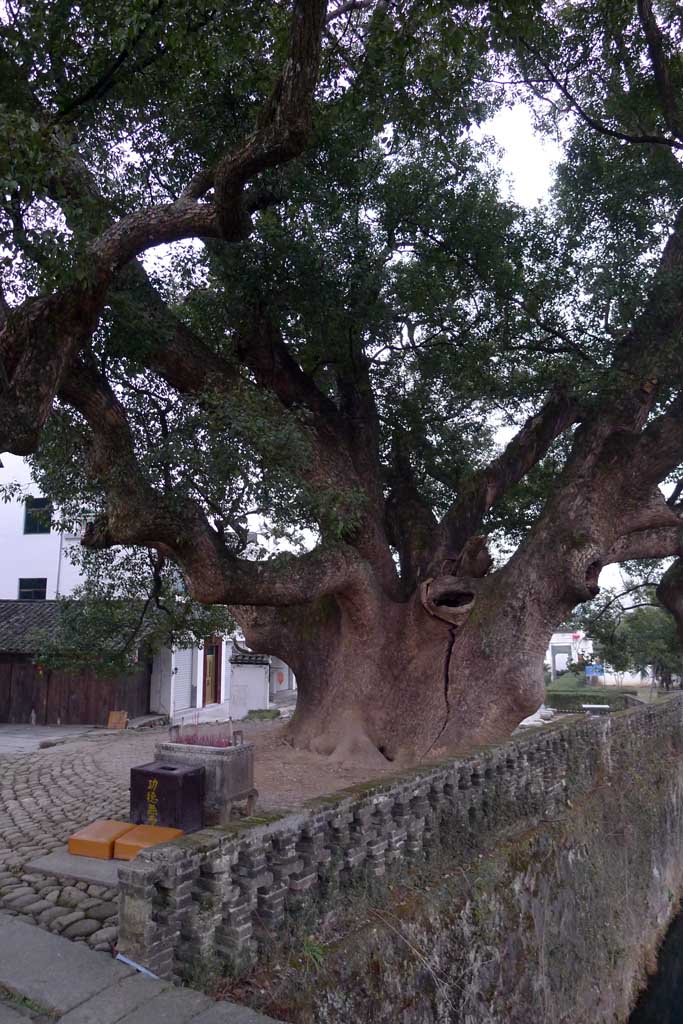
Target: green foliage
{"x":634,"y":633}
{"x":312,"y":954}
{"x":650,"y":639}
{"x":394,"y":264}
{"x":573,"y":699}
{"x":567,"y":681}
{"x":127,"y":610}
{"x":263,"y":715}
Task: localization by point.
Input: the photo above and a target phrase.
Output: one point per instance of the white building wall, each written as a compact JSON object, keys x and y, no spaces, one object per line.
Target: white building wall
{"x":177,"y":677}
{"x":184,"y":712}
{"x":281,"y":677}
{"x":183,"y":677}
{"x":582,"y":647}
{"x":249,"y":689}
{"x":30,"y":555}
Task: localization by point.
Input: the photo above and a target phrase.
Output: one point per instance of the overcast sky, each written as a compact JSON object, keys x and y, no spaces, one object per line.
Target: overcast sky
{"x":528,"y":159}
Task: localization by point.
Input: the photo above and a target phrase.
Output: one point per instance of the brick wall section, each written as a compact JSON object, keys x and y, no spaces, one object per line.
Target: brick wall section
{"x":225,"y":891}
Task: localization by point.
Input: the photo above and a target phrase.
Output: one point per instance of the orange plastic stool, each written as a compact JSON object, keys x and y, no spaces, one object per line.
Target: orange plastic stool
{"x":142,"y":836}
{"x":98,"y":838}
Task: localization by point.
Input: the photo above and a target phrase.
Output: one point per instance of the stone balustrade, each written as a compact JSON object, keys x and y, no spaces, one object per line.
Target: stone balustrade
{"x":225,"y":891}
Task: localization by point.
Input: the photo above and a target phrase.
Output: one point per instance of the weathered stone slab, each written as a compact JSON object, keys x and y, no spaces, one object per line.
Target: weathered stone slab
{"x":84,"y":869}
{"x":177,"y":1005}
{"x":52,"y":971}
{"x":115,"y":1002}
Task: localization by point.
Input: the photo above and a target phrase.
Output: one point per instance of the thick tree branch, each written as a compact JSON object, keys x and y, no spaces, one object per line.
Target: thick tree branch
{"x":410,"y":521}
{"x":137,"y":514}
{"x":43,"y":336}
{"x":642,"y":511}
{"x":655,"y":47}
{"x":463,"y":519}
{"x":652,"y":346}
{"x":655,"y":543}
{"x":660,"y":448}
{"x":649,"y":352}
{"x":284,"y":125}
{"x":346,"y":439}
{"x":37,"y":341}
{"x":147,"y":228}
{"x":342,"y":447}
{"x":262,"y":348}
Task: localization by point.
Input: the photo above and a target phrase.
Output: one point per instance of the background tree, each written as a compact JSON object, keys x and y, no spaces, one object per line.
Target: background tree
{"x":632,"y":631}
{"x":653,"y":645}
{"x":353,"y":311}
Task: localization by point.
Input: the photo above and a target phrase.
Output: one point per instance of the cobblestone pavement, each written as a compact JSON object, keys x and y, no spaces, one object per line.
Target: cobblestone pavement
{"x":47,"y":795}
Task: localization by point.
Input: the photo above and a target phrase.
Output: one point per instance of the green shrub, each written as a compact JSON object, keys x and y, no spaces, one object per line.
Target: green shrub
{"x":570,"y":680}
{"x":571,"y":700}
{"x":262,"y":714}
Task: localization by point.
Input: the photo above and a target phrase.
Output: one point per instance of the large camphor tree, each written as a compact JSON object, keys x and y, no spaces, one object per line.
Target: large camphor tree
{"x":257,"y":258}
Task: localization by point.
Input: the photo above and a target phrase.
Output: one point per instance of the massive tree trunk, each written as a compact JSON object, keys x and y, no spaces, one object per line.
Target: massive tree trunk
{"x":459,"y":661}
{"x":398,"y":682}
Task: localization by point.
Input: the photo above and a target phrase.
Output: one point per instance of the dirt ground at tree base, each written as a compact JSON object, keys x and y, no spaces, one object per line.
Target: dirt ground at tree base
{"x":286,"y":777}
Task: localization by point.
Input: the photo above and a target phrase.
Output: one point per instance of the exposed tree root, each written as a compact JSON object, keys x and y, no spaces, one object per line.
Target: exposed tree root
{"x":347,"y":743}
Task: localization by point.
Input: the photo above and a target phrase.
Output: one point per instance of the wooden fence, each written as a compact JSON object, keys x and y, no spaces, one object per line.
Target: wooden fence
{"x":69,"y":698}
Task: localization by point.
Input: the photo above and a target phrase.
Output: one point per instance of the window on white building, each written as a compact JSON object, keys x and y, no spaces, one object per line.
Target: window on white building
{"x":32,"y":589}
{"x":37,"y":515}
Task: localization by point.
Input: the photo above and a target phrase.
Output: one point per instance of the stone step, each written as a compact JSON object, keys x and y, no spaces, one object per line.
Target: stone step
{"x":76,"y":985}
{"x":51,"y":971}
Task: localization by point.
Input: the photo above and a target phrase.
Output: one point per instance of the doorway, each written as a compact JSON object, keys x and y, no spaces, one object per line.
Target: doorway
{"x":212,"y":670}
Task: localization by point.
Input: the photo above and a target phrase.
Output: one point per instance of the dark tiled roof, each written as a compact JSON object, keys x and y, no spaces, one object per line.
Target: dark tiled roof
{"x":24,"y":623}
{"x":250,"y":659}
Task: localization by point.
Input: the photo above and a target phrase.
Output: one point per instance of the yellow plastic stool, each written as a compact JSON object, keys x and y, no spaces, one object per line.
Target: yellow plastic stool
{"x":98,"y":839}
{"x":142,"y":836}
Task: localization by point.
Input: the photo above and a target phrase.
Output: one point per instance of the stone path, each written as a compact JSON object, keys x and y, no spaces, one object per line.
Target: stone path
{"x":74,"y":910}
{"x":45,"y":796}
{"x":23,"y":739}
{"x":44,"y":978}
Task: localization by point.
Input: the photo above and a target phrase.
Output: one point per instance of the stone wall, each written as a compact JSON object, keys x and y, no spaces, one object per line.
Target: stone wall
{"x":541,"y":874}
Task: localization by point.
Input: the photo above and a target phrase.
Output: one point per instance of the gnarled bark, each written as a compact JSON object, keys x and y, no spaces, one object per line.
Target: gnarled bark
{"x":400,"y":683}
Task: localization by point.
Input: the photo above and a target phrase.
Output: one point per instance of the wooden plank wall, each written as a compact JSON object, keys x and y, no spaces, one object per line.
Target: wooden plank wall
{"x":72,"y":698}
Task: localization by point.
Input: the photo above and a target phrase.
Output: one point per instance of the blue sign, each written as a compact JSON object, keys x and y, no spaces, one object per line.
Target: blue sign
{"x":595,"y":670}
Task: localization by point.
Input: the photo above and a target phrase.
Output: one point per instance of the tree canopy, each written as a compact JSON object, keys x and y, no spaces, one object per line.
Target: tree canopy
{"x":260,"y":259}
